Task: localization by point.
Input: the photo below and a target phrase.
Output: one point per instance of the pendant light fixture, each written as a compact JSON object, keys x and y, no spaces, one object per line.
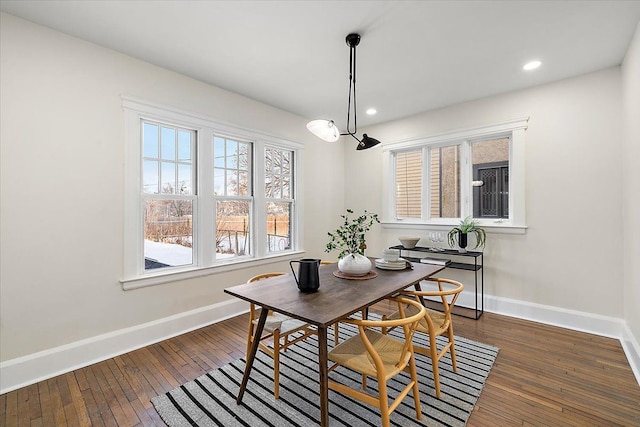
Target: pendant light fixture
{"x":327,"y":129}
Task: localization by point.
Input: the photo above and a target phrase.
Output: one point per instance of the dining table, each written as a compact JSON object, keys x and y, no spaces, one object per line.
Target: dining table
{"x":337,"y":297}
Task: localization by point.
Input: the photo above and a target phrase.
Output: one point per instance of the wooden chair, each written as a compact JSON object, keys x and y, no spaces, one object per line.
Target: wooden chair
{"x":436,"y":323}
{"x":380,"y":356}
{"x":279,"y":327}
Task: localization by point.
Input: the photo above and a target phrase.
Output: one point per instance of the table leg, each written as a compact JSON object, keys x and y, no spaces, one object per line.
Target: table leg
{"x":252,"y":353}
{"x":419,"y":289}
{"x":324,"y":376}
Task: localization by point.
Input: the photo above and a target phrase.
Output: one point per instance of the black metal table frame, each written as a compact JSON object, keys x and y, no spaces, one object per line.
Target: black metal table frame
{"x":478,"y":310}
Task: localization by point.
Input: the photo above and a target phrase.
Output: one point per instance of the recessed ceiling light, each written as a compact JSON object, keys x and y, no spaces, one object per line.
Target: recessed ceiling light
{"x":531,"y":65}
{"x":371,"y":111}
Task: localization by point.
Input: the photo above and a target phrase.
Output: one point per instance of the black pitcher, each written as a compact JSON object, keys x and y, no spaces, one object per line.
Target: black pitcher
{"x":308,"y":278}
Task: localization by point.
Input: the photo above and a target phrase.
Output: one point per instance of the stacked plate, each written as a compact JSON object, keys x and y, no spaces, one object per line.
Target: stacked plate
{"x":400,"y":264}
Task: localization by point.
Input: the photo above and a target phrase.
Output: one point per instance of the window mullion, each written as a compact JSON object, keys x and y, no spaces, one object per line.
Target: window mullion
{"x":516,"y":178}
{"x":426,"y":199}
{"x":465,"y":179}
{"x":259,"y":234}
{"x":206,"y":206}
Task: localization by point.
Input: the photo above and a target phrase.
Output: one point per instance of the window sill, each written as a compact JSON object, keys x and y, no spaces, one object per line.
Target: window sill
{"x":176,"y":276}
{"x":498,"y":228}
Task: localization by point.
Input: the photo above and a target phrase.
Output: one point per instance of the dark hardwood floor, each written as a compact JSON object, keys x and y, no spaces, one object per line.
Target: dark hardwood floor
{"x":543,"y":376}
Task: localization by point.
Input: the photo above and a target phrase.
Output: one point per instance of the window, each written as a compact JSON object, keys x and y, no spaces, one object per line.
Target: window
{"x":490,"y":162}
{"x":278,"y":192}
{"x":439,"y":180}
{"x":444,"y":181}
{"x":202,"y":195}
{"x":408,"y":180}
{"x":233,"y":195}
{"x":167,"y":194}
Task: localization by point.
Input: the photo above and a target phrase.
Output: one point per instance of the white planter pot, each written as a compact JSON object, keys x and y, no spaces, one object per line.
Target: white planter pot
{"x":354,"y":265}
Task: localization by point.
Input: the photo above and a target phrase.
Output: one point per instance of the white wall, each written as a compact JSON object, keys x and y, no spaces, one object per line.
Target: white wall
{"x":631,"y":188}
{"x":571,"y":254}
{"x":62,"y":154}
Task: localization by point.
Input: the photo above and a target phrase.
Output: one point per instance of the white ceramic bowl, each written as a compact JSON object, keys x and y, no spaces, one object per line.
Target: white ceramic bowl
{"x":409,"y":242}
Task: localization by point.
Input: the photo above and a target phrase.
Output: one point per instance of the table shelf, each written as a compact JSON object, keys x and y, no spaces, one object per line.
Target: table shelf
{"x":476,"y":267}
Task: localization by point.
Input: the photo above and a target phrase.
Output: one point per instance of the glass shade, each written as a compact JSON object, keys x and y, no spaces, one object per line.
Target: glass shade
{"x":324,"y":129}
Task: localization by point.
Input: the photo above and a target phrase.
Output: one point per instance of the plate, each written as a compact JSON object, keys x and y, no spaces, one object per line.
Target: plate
{"x":401,"y":264}
{"x":400,"y":261}
{"x":386,"y":267}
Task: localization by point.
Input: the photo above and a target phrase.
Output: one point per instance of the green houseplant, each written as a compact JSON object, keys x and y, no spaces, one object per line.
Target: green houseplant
{"x":349,"y":239}
{"x":458,"y":235}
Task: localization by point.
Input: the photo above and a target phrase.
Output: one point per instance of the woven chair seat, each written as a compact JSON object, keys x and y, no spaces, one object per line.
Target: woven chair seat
{"x":439,"y":318}
{"x":282,"y":323}
{"x":353,"y":354}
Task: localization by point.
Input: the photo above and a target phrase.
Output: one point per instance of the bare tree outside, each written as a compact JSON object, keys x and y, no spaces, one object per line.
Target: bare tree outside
{"x":168,"y":179}
{"x":278,"y":191}
{"x":233,"y":191}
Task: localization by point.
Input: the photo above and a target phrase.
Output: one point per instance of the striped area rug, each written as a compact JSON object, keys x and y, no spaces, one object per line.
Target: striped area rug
{"x":210,"y":400}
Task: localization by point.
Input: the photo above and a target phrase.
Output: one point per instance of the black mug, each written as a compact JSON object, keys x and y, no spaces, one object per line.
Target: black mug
{"x":308,"y":278}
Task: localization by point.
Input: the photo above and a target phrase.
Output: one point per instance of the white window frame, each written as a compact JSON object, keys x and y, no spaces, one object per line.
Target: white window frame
{"x":251,"y":198}
{"x":514,"y":129}
{"x":204,"y":263}
{"x":291,"y":199}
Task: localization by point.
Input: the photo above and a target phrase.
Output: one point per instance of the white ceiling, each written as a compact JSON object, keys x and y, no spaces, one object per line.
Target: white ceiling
{"x":414,"y":55}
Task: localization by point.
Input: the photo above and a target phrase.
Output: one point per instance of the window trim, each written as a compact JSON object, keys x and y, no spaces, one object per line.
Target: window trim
{"x":135,"y":110}
{"x":515,"y":129}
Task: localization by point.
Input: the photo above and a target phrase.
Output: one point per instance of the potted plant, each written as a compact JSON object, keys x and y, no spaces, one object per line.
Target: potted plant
{"x":349,"y":239}
{"x":458,"y":235}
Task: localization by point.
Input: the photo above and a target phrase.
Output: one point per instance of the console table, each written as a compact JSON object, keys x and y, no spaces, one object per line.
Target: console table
{"x":459,"y":261}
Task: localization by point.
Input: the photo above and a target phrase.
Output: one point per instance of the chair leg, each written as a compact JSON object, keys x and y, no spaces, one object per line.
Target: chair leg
{"x":276,"y":364}
{"x":452,"y":349}
{"x":336,"y":333}
{"x":416,"y":389}
{"x":383,"y":400}
{"x":433,"y":349}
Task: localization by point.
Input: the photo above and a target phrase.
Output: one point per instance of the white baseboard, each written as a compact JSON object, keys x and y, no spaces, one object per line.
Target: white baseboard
{"x":26,"y":370}
{"x":632,"y":350}
{"x":571,"y":319}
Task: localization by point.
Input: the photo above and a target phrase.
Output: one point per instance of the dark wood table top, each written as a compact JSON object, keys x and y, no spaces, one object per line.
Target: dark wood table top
{"x":336,"y":298}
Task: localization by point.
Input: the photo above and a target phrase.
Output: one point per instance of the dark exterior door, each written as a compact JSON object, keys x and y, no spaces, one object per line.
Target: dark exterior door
{"x":491,"y":199}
